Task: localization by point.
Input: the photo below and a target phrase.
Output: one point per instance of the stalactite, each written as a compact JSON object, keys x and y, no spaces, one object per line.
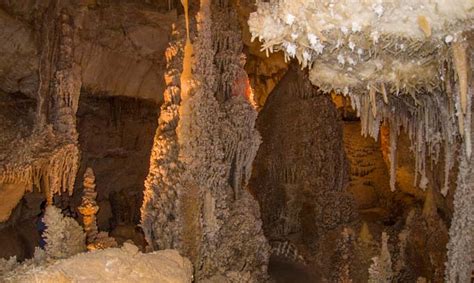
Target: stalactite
{"x":186,"y":75}
{"x":461,"y":66}
{"x":48,"y":158}
{"x":393,"y":155}
{"x":52,"y":170}
{"x":426,"y":121}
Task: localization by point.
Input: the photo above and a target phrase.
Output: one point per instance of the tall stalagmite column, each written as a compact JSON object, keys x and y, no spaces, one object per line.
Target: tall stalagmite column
{"x":195,"y":194}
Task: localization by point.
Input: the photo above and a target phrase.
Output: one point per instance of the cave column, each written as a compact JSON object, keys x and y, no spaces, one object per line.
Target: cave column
{"x":58,"y":94}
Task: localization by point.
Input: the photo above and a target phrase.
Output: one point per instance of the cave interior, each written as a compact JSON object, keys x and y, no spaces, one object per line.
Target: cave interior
{"x":236,"y":141}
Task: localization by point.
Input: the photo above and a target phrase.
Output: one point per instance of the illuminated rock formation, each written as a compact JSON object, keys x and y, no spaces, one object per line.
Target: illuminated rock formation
{"x":405,"y":66}
{"x":201,"y":158}
{"x":89,"y":209}
{"x":89,"y":206}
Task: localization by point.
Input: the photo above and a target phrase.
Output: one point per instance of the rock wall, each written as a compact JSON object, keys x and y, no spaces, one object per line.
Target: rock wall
{"x":119,"y":46}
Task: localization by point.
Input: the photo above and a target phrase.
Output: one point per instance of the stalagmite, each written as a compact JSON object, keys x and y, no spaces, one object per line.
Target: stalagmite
{"x":364,"y":234}
{"x":393,"y":155}
{"x":381,"y":269}
{"x":162,"y":185}
{"x":461,"y":66}
{"x":201,"y":157}
{"x":89,"y":206}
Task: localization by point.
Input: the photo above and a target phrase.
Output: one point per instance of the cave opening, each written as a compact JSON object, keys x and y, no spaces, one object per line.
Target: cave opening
{"x":115,"y":137}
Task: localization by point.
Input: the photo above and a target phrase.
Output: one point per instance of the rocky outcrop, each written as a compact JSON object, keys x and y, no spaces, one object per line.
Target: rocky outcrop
{"x":126,"y":264}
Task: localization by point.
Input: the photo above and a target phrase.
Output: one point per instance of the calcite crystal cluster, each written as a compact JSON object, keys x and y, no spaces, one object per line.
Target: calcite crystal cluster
{"x":350,"y":44}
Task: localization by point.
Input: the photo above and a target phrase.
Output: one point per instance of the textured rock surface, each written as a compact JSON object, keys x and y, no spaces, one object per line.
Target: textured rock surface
{"x":300,"y":172}
{"x":300,"y":162}
{"x":201,"y":158}
{"x":126,"y":264}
